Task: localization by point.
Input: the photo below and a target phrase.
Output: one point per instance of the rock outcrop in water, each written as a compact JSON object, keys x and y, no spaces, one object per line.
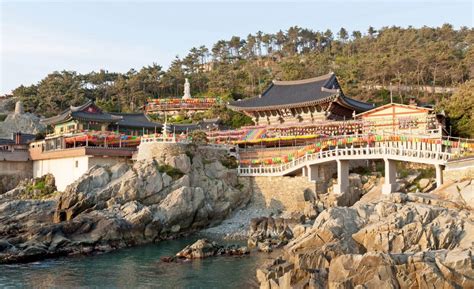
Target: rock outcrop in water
{"x":204,"y":248}
{"x":267,"y":233}
{"x":119,"y":206}
{"x":404,"y":241}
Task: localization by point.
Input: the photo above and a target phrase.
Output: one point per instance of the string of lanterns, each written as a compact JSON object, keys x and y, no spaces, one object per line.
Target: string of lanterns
{"x":322,"y":144}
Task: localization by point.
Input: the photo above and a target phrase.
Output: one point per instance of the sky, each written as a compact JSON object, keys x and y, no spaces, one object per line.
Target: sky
{"x":39,"y":37}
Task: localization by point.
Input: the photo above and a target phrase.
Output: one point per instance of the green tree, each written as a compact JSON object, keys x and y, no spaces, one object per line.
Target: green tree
{"x":460,"y":109}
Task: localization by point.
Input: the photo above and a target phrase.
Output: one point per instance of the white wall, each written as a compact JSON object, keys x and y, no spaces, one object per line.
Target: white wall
{"x":67,"y":170}
{"x":64,"y":170}
{"x":106,"y":161}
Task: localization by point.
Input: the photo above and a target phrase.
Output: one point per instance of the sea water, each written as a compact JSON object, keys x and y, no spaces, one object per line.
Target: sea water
{"x":138,"y":267}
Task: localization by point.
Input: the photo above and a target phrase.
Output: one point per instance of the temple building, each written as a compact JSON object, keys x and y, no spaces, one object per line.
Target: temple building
{"x":186,"y":104}
{"x":402,"y":119}
{"x":91,"y":118}
{"x":301,"y":101}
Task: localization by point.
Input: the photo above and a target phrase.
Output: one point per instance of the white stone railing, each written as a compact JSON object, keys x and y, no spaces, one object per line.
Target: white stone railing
{"x":403,"y":151}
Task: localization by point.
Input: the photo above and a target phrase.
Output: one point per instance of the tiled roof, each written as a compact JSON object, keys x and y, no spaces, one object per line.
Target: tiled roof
{"x":299,"y":93}
{"x":90,"y":112}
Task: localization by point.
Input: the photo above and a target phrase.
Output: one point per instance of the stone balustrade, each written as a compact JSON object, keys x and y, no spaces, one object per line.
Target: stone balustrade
{"x":390,"y":151}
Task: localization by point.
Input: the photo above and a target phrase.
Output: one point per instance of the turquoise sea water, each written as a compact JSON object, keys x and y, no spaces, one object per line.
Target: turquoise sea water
{"x":138,"y":267}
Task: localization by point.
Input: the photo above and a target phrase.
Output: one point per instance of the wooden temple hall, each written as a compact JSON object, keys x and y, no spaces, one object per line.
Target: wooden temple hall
{"x":89,"y":117}
{"x":309,"y":100}
{"x":88,"y":125}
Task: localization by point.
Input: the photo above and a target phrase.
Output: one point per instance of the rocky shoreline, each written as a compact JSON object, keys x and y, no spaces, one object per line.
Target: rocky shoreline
{"x":125,"y":205}
{"x":403,"y":240}
{"x":361,"y":238}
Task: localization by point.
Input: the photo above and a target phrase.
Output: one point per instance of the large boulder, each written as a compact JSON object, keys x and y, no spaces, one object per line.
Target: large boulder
{"x":204,"y":248}
{"x":181,"y":162}
{"x":25,"y":123}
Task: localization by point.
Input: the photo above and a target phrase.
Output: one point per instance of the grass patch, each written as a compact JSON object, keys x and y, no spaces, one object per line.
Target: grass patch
{"x":173,"y":172}
{"x":239,"y":186}
{"x":38,"y":189}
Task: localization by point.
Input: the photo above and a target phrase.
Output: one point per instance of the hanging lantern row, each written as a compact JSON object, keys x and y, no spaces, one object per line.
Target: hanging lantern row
{"x":322,"y":144}
{"x":99,"y":138}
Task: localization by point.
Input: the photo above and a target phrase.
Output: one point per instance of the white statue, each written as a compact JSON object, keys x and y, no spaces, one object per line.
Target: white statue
{"x":187,"y":90}
{"x":19,"y":107}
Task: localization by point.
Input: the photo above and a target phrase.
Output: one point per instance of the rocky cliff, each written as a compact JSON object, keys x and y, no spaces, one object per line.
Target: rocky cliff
{"x":120,"y":206}
{"x":403,"y":241}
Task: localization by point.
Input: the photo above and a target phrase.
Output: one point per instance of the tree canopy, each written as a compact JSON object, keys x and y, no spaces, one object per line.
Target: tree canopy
{"x":244,"y":66}
{"x":460,"y":108}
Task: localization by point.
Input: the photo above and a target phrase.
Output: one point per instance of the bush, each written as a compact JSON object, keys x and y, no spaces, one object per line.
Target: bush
{"x":38,"y":188}
{"x":199,"y":137}
{"x":229,"y":162}
{"x":173,"y":172}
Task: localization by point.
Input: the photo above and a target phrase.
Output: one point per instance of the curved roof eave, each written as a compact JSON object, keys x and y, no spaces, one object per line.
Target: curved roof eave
{"x":283,"y":106}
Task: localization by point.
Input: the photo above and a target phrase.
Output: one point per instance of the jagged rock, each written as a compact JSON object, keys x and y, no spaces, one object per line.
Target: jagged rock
{"x":25,"y":123}
{"x":36,"y":188}
{"x":267,"y":233}
{"x":310,"y":210}
{"x":423,"y":183}
{"x":410,"y":179}
{"x":114,"y":207}
{"x":374,"y":244}
{"x":348,"y":197}
{"x":181,"y":162}
{"x":118,"y":170}
{"x":204,"y":248}
{"x":437,"y":269}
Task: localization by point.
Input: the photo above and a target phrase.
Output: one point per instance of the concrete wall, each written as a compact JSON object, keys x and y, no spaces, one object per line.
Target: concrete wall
{"x":106,"y":161}
{"x":160,"y":151}
{"x":459,"y":170}
{"x":279,"y":193}
{"x":67,"y":170}
{"x":11,"y":173}
{"x":64,"y":170}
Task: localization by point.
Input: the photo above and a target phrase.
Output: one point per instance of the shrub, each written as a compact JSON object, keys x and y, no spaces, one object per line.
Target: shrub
{"x":173,"y":172}
{"x":199,"y":137}
{"x":229,"y":162}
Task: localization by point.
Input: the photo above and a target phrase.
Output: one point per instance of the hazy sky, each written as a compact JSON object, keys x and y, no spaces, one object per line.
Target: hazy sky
{"x":39,"y":37}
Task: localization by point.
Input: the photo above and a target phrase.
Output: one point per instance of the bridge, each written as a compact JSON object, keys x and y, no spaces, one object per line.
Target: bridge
{"x":434,"y":151}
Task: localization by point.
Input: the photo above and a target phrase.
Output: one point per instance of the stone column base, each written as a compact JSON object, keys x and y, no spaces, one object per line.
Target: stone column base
{"x":338,"y":190}
{"x":387,"y":189}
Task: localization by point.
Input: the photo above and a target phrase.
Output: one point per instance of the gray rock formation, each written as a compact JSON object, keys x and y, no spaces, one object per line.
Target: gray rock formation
{"x":404,"y":241}
{"x":267,"y":233}
{"x":119,"y":206}
{"x":18,"y":121}
{"x":7,"y":104}
{"x":204,"y":248}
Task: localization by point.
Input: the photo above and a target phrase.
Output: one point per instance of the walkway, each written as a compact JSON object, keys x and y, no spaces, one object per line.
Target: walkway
{"x":434,"y":152}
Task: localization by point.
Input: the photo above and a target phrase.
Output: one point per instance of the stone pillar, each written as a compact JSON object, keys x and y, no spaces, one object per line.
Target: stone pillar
{"x":342,"y":177}
{"x":439,"y":175}
{"x":312,"y":172}
{"x":304,"y":171}
{"x":390,"y":176}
